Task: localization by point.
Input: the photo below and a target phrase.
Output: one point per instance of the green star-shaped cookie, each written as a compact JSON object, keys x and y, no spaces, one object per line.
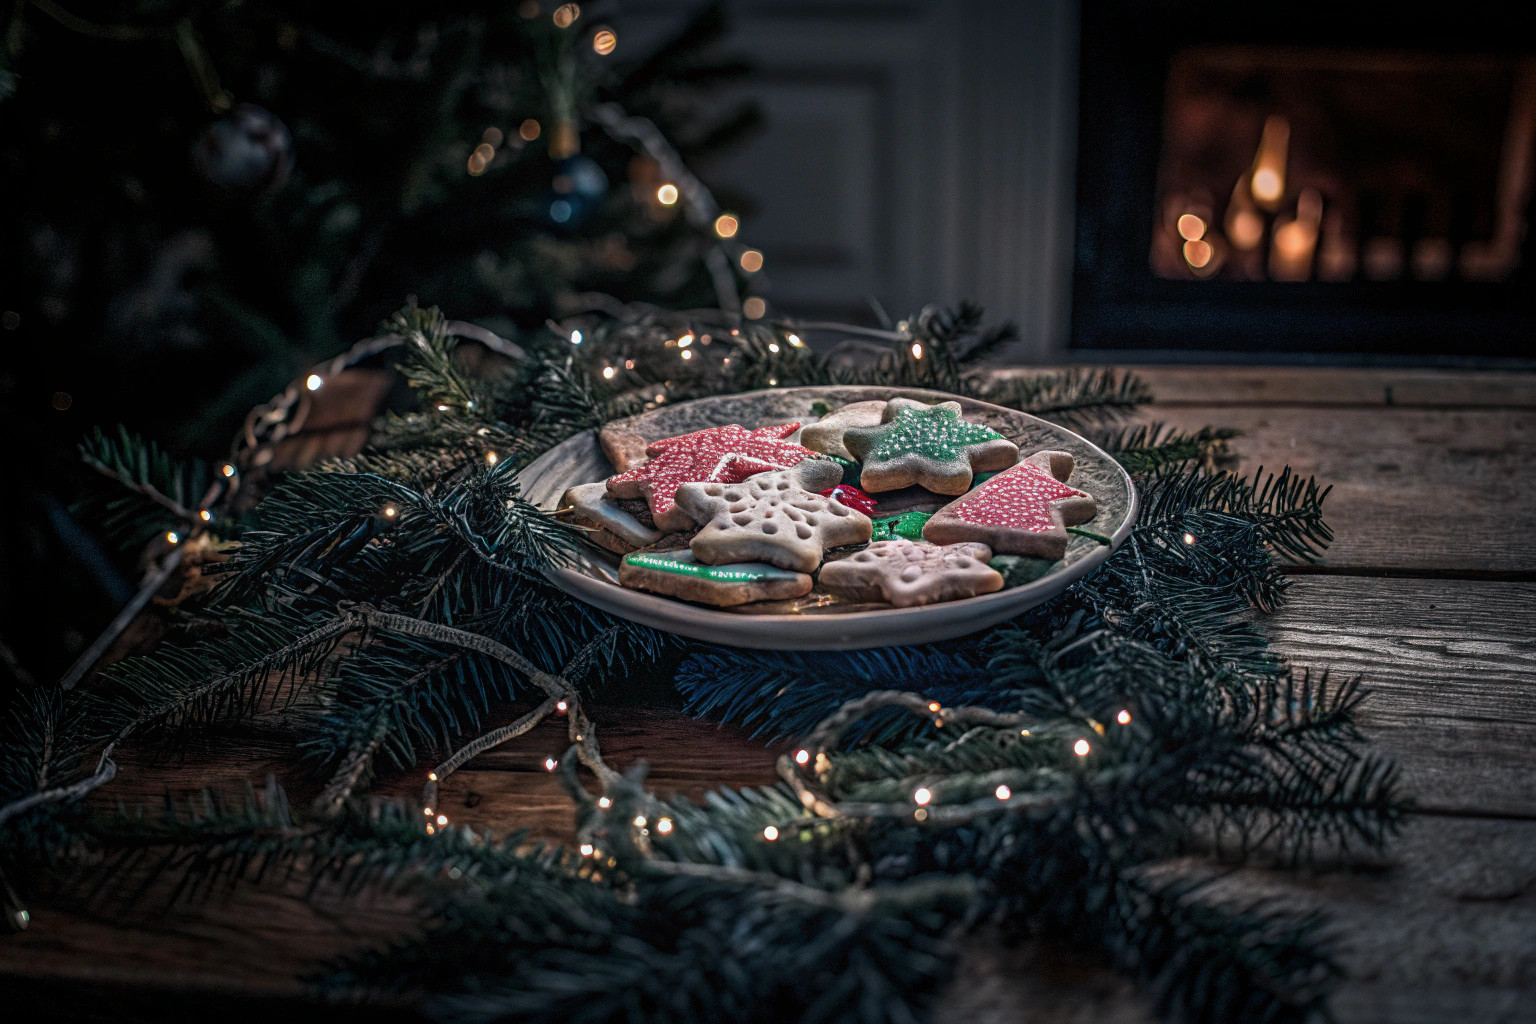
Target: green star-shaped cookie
{"x":929,"y":445}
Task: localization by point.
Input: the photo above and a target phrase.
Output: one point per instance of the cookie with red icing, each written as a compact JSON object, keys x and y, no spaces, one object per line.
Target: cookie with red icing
{"x":727,"y":454}
{"x":1020,"y":511}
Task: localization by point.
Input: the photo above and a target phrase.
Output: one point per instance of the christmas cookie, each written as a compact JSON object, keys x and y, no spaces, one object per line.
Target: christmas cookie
{"x":728,"y":454}
{"x":1023,"y":511}
{"x":908,"y":524}
{"x":927,"y":445}
{"x":679,"y":574}
{"x":826,"y":434}
{"x":852,"y":497}
{"x":613,"y":528}
{"x":909,"y":573}
{"x":772,"y":517}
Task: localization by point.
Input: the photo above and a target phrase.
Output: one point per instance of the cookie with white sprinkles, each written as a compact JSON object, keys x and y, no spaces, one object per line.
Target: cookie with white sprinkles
{"x":826,"y":434}
{"x":679,"y":574}
{"x":1021,"y":511}
{"x":909,"y":573}
{"x":772,"y":517}
{"x":927,"y":445}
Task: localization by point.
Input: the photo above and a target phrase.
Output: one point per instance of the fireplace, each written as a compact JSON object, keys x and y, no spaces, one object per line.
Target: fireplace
{"x":1301,"y":181}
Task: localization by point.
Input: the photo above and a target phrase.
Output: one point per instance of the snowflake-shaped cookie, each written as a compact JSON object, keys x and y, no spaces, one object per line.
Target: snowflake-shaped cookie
{"x":728,"y":454}
{"x":774,"y":517}
{"x":1021,"y":511}
{"x":928,"y":445}
{"x":907,"y":573}
{"x":826,"y":434}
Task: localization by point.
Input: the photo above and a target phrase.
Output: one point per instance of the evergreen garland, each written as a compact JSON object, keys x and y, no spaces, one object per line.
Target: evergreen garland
{"x":1036,"y":776}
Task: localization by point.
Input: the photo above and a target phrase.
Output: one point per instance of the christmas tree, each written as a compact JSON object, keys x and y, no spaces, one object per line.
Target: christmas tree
{"x":205,"y":199}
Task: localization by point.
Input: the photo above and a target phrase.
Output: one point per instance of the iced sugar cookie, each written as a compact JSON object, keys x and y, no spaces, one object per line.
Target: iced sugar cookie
{"x":1021,"y":511}
{"x":679,"y":574}
{"x":927,"y":445}
{"x":772,"y":517}
{"x":730,"y":454}
{"x":616,"y":530}
{"x":909,"y":573}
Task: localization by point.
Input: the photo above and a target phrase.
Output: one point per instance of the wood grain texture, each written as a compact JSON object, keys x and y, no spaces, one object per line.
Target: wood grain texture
{"x":1305,"y":385}
{"x":1437,"y":490}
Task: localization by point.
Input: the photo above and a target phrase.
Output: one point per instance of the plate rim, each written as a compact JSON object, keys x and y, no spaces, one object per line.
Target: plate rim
{"x":592,"y":590}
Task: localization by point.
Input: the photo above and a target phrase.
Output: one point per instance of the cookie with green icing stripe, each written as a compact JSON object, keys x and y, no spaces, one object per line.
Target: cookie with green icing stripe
{"x":908,"y":524}
{"x":679,"y":574}
{"x":927,"y":445}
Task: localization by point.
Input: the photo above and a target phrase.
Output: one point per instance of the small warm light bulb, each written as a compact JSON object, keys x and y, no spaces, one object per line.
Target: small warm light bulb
{"x":922,"y":796}
{"x":205,"y":515}
{"x":604,"y":802}
{"x":770,"y":833}
{"x":229,"y":470}
{"x":664,"y":825}
{"x":773,"y":346}
{"x":640,"y":821}
{"x":1003,"y":792}
{"x":933,"y":705}
{"x":442,"y":819}
{"x":1023,"y":732}
{"x":313,"y":381}
{"x":667,"y":194}
{"x":390,"y":511}
{"x":528,"y":130}
{"x":173,"y":537}
{"x":442,"y":408}
{"x":490,"y":457}
{"x":751,"y":261}
{"x":431,"y":830}
{"x":773,"y":382}
{"x":1080,"y":748}
{"x":604,"y":41}
{"x":586,"y":849}
{"x":1124,"y":718}
{"x":685,"y":341}
{"x":608,"y":372}
{"x":726,"y":226}
{"x":431,"y":776}
{"x":575,"y":337}
{"x":687,"y":354}
{"x":802,"y":756}
{"x":565,"y":15}
{"x":794,"y":339}
{"x":754,"y":308}
{"x":561,"y":706}
{"x":1191,"y":228}
{"x":629,"y":364}
{"x":427,"y":811}
{"x":1266,"y":185}
{"x":550,"y":764}
{"x":917,"y":351}
{"x":1189,"y":538}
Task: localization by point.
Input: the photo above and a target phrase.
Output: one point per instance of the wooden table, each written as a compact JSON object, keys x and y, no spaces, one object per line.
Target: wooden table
{"x":1429,"y":593}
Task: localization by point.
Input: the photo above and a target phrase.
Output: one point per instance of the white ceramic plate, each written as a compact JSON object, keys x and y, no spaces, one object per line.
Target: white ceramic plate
{"x":594,"y":578}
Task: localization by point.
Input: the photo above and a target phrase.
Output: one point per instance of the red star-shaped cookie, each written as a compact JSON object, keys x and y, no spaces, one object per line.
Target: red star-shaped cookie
{"x":1020,"y":511}
{"x":726,"y":454}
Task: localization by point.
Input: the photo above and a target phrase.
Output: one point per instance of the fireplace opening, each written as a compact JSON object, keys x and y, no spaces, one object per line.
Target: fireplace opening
{"x":1342,"y":184}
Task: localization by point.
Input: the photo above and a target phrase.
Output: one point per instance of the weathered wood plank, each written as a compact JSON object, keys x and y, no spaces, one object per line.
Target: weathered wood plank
{"x":1452,"y":667}
{"x":1413,"y":489}
{"x":1442,"y":929}
{"x":1289,"y":385}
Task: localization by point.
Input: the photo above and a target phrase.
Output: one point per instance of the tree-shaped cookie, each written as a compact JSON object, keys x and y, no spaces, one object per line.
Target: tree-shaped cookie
{"x":907,"y":573}
{"x":928,"y":445}
{"x":1021,"y":511}
{"x":774,"y":517}
{"x":729,"y":454}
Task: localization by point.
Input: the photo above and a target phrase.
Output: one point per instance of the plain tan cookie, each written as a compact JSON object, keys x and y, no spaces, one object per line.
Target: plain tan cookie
{"x":773,"y":517}
{"x":1020,"y":511}
{"x":624,"y":447}
{"x":679,"y":574}
{"x":896,"y":406}
{"x":616,"y":529}
{"x":909,"y":573}
{"x":826,"y":434}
